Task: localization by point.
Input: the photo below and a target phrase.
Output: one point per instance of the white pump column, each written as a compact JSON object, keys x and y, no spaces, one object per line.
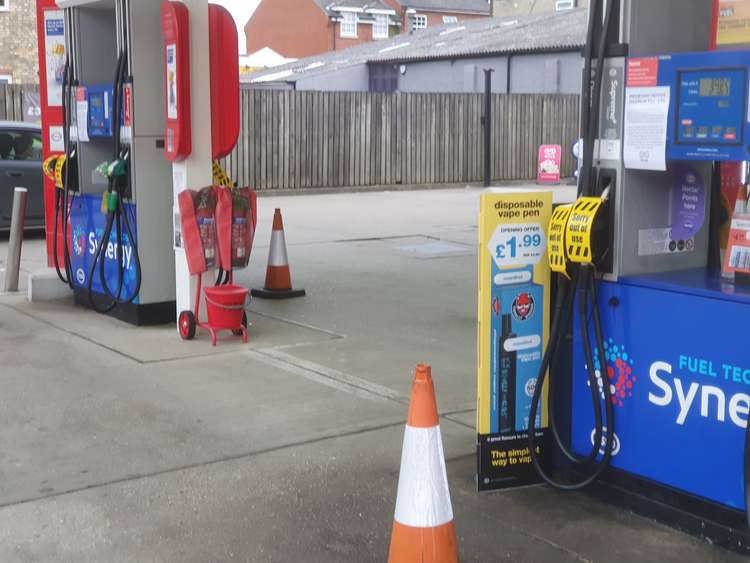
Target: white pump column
{"x":194,"y":173}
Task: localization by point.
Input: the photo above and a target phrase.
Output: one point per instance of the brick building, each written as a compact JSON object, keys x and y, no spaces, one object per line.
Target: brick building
{"x":501,"y":8}
{"x":18,"y":54}
{"x":303,"y":28}
{"x":423,"y":14}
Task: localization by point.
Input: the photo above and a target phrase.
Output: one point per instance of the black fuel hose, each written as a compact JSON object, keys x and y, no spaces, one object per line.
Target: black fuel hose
{"x":584,"y":284}
{"x":585,"y":288}
{"x":555,"y":341}
{"x":62,"y":202}
{"x":117,"y":217}
{"x":98,"y":259}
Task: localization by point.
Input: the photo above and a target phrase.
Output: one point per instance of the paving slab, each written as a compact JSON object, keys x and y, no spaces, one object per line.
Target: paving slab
{"x":74,"y":414}
{"x":394,"y":306}
{"x":161,"y":343}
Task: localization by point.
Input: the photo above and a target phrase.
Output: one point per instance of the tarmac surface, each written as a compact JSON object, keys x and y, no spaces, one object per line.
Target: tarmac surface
{"x":126,"y":444}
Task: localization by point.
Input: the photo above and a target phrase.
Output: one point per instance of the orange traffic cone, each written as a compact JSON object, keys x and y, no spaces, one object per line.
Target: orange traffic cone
{"x":278,"y":276}
{"x":423,"y":529}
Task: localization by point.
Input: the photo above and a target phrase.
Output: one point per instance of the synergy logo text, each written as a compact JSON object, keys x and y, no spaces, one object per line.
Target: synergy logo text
{"x":709,"y":401}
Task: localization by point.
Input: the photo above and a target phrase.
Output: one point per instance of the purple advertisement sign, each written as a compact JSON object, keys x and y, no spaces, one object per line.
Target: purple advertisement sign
{"x":688,"y":204}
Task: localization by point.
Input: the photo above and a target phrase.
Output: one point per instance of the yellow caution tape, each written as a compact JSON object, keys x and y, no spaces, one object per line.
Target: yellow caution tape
{"x":221,"y":178}
{"x":104,"y":207}
{"x":59,"y":164}
{"x":580,"y":226}
{"x":48,"y":167}
{"x":557,"y":226}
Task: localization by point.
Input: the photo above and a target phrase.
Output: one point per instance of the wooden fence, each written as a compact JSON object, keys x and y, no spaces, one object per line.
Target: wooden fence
{"x":12,"y":100}
{"x":296,"y":140}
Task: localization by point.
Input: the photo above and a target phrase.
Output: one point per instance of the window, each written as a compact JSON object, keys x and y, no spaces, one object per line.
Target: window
{"x":450,"y":19}
{"x":380,"y":27}
{"x":383,"y":78}
{"x":4,"y":5}
{"x":348,"y":24}
{"x":6,"y":79}
{"x":561,"y":5}
{"x":20,"y":145}
{"x":418,"y":21}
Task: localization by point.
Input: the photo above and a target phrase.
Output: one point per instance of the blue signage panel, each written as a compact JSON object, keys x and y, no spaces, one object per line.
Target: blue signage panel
{"x":708,"y":115}
{"x":100,"y":111}
{"x":87,"y":224}
{"x":711,"y":106}
{"x":678,"y":367}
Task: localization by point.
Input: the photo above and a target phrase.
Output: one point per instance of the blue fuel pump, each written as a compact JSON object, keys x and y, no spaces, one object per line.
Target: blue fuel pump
{"x":674,"y":352}
{"x":118,"y":201}
{"x":661,"y":347}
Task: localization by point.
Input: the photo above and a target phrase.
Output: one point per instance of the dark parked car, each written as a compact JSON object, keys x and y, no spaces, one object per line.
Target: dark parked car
{"x":21,"y":165}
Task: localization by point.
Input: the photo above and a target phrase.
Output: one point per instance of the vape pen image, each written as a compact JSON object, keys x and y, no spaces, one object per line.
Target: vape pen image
{"x":507,"y":379}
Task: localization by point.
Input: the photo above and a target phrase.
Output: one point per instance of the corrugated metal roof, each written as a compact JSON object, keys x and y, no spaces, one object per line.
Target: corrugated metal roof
{"x":561,"y":31}
{"x":544,"y":32}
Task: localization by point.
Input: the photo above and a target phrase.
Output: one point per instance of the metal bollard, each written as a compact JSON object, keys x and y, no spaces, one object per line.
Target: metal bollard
{"x":13,"y":264}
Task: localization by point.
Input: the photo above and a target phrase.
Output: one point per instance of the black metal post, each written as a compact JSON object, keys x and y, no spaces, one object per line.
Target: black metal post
{"x":487,"y":125}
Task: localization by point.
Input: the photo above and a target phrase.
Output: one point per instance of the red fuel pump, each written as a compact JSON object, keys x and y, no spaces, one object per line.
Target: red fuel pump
{"x":52,"y":60}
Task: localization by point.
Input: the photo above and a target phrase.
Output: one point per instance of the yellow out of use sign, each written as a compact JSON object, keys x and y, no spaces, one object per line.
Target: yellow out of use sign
{"x":556,"y":234}
{"x":580,"y":226}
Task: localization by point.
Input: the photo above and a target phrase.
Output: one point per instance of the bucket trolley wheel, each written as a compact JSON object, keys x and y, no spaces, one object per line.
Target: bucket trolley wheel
{"x":187,"y":325}
{"x":242,"y":331}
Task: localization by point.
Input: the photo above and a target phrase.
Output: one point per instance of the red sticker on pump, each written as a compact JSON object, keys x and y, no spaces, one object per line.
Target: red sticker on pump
{"x":127,"y":105}
{"x":643,"y":72}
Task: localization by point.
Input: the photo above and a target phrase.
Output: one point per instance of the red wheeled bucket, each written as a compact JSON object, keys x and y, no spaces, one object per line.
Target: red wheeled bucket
{"x":225,"y":305}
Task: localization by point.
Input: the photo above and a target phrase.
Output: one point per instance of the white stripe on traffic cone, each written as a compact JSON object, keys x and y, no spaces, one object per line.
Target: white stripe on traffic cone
{"x":278,"y":276}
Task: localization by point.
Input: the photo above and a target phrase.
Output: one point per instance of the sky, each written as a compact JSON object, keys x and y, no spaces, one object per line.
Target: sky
{"x":241,"y":10}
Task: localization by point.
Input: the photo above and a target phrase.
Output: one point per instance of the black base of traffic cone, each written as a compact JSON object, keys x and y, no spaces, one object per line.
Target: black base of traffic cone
{"x":277,"y":293}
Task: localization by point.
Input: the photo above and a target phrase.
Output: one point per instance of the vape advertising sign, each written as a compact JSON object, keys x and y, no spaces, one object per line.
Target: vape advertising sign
{"x":513,"y":323}
{"x":548,"y":167}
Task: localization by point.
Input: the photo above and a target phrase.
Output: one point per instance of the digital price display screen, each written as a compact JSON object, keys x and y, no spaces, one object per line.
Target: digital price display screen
{"x":711,"y":106}
{"x":715,"y":87}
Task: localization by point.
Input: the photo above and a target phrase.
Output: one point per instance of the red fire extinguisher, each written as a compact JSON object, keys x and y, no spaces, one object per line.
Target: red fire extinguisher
{"x":198,"y":228}
{"x":205,"y":209}
{"x":243,"y":226}
{"x":236,"y":220}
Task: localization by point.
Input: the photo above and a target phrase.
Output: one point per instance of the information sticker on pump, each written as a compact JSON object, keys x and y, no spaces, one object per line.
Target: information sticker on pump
{"x":82,"y":114}
{"x":578,"y":232}
{"x":172,"y":81}
{"x":737,"y":256}
{"x":127,"y":113}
